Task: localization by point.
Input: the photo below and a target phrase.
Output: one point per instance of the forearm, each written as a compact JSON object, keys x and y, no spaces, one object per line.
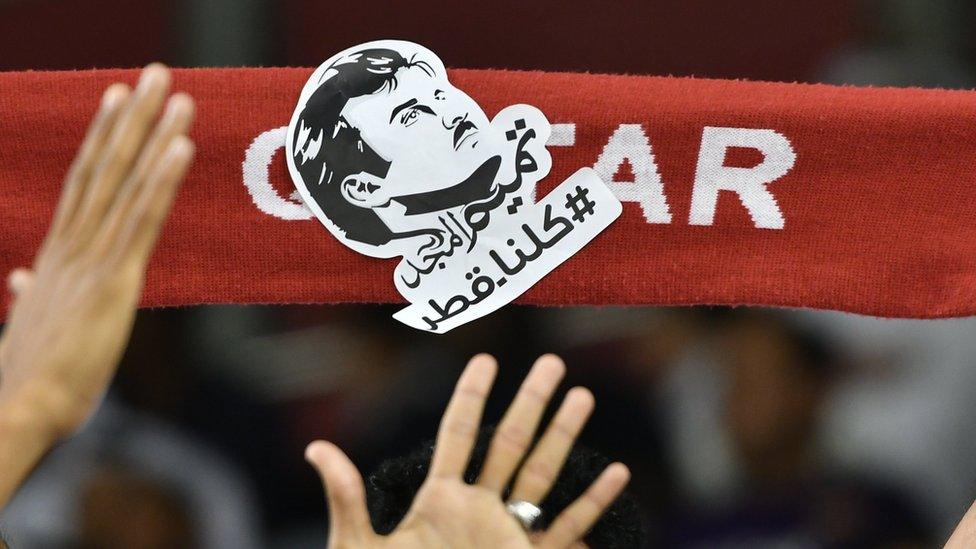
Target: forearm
{"x":72,"y":312}
{"x":965,"y":534}
{"x":25,"y":437}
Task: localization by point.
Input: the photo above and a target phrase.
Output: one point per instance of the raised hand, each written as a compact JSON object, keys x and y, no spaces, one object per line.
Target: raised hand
{"x":73,"y":308}
{"x":447,"y":511}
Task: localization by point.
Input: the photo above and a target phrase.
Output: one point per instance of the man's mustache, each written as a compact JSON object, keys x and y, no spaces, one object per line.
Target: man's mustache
{"x":459,"y":131}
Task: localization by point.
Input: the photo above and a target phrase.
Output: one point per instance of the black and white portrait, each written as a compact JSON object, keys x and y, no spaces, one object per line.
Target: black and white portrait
{"x":396,"y":161}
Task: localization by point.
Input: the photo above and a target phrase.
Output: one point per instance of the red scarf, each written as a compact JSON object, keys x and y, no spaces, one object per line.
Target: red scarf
{"x":875,"y":213}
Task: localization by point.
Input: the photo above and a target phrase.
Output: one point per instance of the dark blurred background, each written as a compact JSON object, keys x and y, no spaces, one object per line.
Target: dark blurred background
{"x":744,"y":428}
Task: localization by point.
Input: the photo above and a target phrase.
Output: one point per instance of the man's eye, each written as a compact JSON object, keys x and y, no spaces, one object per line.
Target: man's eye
{"x":409,"y":117}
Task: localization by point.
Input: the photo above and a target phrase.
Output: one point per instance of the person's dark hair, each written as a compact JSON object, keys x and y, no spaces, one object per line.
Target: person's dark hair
{"x":390,"y":491}
{"x":327,"y":149}
{"x":813,"y":353}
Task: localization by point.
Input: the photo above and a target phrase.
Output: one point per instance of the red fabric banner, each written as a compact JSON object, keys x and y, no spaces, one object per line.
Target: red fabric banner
{"x":734,"y":192}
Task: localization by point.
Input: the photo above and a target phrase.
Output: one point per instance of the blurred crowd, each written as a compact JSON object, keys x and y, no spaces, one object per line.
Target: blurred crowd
{"x":743,"y":427}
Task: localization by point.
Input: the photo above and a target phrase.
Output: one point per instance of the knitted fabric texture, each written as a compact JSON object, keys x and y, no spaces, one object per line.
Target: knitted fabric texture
{"x":734,"y":192}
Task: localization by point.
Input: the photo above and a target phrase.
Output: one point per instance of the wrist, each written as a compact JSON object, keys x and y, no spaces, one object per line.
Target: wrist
{"x":27,"y":433}
{"x":28,"y":414}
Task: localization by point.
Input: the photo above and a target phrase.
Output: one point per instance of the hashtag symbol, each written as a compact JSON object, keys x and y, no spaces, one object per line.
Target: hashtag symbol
{"x":580,"y":205}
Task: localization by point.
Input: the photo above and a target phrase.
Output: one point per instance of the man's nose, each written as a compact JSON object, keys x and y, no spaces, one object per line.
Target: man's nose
{"x":451,"y":122}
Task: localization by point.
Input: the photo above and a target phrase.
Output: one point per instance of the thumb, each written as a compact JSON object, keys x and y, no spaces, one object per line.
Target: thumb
{"x":348,"y":519}
{"x":20,"y":280}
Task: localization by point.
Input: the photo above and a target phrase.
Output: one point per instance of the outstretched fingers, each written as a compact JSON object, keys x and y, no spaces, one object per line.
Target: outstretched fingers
{"x":152,"y":176}
{"x":576,"y":520}
{"x":348,"y":518}
{"x":514,"y":434}
{"x":113,"y":102}
{"x":124,"y":143}
{"x":154,"y":204}
{"x":459,"y":426}
{"x":541,"y":469}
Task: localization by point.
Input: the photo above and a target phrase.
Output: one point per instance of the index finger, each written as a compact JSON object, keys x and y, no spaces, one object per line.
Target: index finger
{"x":459,"y":426}
{"x":123,"y":145}
{"x":113,"y":100}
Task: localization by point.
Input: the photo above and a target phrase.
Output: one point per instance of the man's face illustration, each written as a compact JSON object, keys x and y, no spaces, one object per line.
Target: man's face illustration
{"x":432,"y":133}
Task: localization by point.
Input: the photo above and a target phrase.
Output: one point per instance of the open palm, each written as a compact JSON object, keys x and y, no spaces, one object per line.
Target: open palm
{"x":73,"y":308}
{"x":447,"y":511}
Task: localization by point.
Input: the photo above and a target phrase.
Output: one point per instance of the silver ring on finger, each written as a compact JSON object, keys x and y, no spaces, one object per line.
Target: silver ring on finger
{"x":524,"y":512}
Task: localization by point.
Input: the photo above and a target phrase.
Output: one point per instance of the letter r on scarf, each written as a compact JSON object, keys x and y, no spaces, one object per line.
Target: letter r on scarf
{"x":712,"y":175}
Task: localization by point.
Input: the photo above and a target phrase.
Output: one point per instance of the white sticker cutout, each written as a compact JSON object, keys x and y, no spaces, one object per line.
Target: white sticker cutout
{"x":396,"y":161}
